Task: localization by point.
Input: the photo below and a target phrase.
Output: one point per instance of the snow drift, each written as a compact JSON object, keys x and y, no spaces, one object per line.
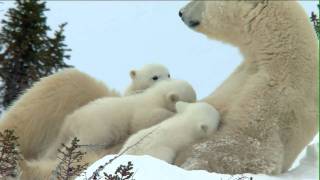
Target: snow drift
{"x":146,"y":168}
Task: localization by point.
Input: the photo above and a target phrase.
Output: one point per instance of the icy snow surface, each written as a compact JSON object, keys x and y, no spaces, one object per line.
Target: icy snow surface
{"x":146,"y":168}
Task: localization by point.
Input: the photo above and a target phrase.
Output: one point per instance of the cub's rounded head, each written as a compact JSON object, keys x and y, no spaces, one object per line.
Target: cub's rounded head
{"x":148,"y":75}
{"x":173,"y":91}
{"x":203,"y":116}
{"x":222,"y":20}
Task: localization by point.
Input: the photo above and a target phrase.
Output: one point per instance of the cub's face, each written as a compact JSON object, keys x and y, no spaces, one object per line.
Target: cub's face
{"x":203,"y":116}
{"x":222,"y":20}
{"x":148,"y":76}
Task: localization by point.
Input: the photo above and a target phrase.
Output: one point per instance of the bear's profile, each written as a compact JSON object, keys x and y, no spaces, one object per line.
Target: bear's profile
{"x":193,"y":122}
{"x":268,"y":104}
{"x":145,"y":77}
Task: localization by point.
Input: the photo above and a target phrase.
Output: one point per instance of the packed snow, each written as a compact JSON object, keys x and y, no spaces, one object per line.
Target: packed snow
{"x":147,"y":167}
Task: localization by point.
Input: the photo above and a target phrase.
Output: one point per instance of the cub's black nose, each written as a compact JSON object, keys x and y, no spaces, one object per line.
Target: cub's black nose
{"x":180,"y":14}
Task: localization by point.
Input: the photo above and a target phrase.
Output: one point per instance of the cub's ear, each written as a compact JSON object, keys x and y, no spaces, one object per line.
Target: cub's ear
{"x":133,"y":74}
{"x":181,"y":106}
{"x":204,"y":128}
{"x":173,"y":97}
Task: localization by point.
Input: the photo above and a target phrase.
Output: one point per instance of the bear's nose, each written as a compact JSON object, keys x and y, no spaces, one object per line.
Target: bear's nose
{"x":180,"y":13}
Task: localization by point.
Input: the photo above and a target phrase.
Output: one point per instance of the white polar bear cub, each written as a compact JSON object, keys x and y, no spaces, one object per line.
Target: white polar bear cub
{"x":110,"y":120}
{"x":146,"y":77}
{"x":192,"y":122}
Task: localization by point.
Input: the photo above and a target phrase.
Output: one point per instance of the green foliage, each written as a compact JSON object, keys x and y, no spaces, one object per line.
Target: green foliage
{"x":123,"y":172}
{"x":70,"y":164}
{"x":27,"y":52}
{"x":316,"y":22}
{"x":9,"y":155}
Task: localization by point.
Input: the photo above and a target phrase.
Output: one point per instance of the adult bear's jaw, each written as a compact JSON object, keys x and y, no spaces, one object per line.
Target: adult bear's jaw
{"x":193,"y":24}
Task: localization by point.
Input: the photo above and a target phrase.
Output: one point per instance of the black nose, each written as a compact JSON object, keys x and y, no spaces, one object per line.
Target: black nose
{"x":180,"y":14}
{"x":194,"y":23}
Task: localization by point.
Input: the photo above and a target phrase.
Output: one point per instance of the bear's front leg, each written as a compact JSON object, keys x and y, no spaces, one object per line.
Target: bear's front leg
{"x":235,"y":153}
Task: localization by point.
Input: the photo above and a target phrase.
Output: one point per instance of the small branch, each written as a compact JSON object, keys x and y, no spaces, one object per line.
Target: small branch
{"x":95,"y":174}
{"x":70,"y":165}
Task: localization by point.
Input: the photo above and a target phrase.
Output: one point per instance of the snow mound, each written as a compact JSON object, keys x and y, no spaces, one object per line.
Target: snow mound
{"x":147,"y":167}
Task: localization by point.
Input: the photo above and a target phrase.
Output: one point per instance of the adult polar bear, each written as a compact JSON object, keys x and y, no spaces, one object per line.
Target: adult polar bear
{"x":268,"y":105}
{"x":38,"y":114}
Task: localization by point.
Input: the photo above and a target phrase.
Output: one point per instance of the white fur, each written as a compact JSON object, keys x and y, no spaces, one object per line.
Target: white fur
{"x":268,"y":104}
{"x":146,"y":77}
{"x":110,"y":120}
{"x":192,"y":122}
{"x":38,"y":114}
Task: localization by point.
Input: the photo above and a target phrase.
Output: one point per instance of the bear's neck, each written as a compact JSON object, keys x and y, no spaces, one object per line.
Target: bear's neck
{"x":280,"y":38}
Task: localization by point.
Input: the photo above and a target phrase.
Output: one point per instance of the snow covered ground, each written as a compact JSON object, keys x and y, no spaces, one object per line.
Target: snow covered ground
{"x":146,"y":168}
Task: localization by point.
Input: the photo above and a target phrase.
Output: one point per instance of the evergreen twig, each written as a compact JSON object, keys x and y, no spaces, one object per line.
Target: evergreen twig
{"x":123,"y":172}
{"x":70,"y":161}
{"x":316,"y":22}
{"x":95,"y":175}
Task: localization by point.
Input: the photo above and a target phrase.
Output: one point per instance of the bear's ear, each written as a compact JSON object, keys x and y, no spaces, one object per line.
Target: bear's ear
{"x":204,"y":128}
{"x":173,"y":97}
{"x":181,"y":106}
{"x":133,"y":74}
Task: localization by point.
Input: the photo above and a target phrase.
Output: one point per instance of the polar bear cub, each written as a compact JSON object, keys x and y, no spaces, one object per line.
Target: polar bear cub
{"x":192,"y":122}
{"x":146,"y":77}
{"x":110,"y":120}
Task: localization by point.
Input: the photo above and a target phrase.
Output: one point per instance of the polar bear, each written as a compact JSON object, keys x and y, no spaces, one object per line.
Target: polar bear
{"x":57,"y":96}
{"x":147,"y":76}
{"x":108,"y":120}
{"x":268,"y":105}
{"x":38,"y":114}
{"x":193,"y":121}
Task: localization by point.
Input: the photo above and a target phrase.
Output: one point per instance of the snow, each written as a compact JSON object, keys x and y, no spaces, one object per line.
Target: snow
{"x":147,"y":167}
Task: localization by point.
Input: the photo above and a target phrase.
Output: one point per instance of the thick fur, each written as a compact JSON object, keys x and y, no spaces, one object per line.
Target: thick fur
{"x":268,"y":105}
{"x":109,"y":121}
{"x":44,"y":169}
{"x":37,"y":170}
{"x":40,"y":111}
{"x":146,"y":77}
{"x":38,"y":114}
{"x":191,"y":123}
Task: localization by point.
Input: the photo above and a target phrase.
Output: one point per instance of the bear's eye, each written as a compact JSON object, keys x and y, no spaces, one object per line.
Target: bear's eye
{"x":155,"y":78}
{"x":168,"y":75}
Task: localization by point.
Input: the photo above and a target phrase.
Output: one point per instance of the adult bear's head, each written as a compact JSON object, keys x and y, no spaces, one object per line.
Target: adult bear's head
{"x":222,"y":20}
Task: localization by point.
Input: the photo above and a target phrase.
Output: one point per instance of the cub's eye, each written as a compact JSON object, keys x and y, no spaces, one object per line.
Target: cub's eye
{"x":168,"y":75}
{"x":155,"y":78}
